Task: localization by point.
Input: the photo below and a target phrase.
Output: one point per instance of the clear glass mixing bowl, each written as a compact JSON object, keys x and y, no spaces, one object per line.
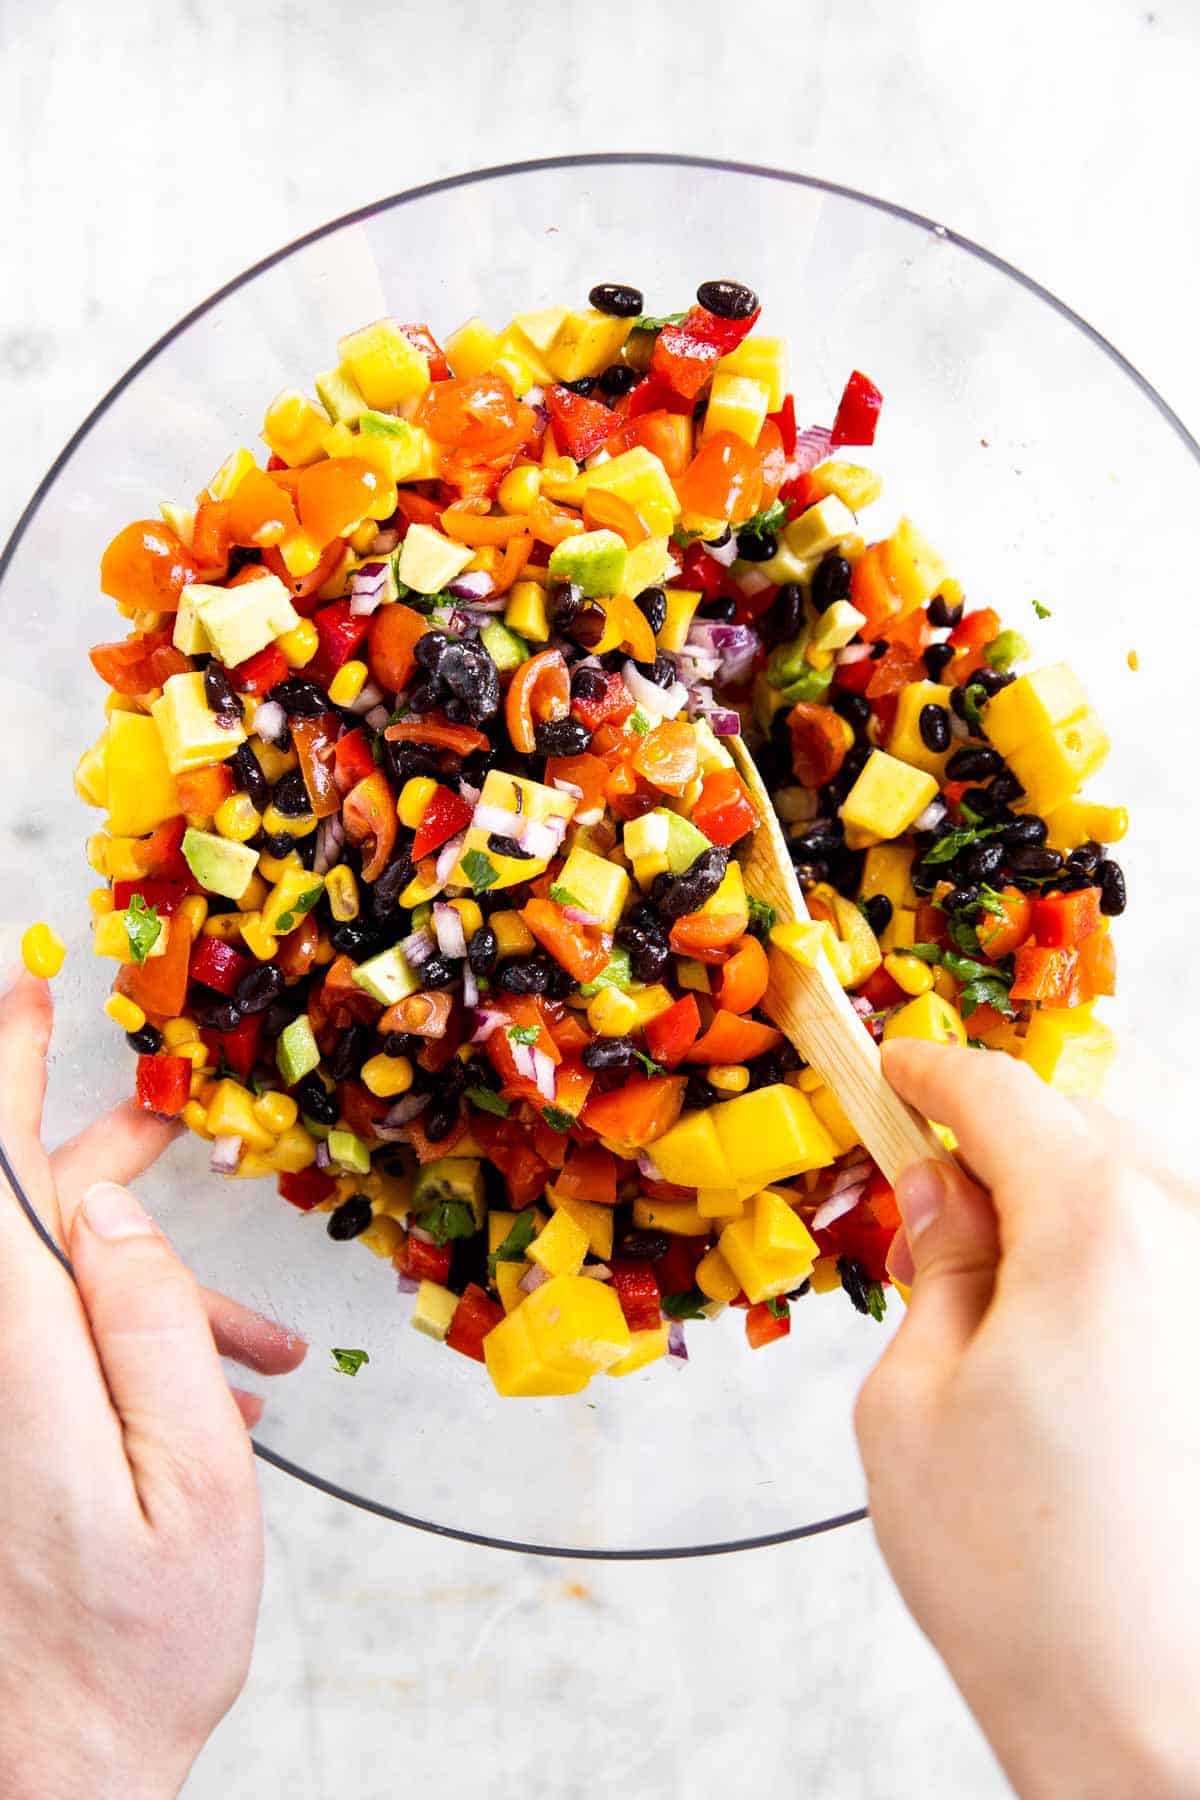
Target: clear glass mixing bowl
{"x":1033,"y":454}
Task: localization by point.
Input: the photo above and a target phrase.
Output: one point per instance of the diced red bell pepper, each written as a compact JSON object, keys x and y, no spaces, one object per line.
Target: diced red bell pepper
{"x":671,"y":1035}
{"x":506,"y":1143}
{"x":609,"y":707}
{"x":895,"y":670}
{"x":445,"y":813}
{"x":139,"y":662}
{"x":361,"y":1109}
{"x":164,"y":896}
{"x":879,"y":1198}
{"x":421,"y":1260}
{"x":580,"y":425}
{"x":676,"y":1270}
{"x":857,"y":415}
{"x":881,"y":990}
{"x":858,"y":1234}
{"x":632,"y":1116}
{"x":636,"y":1286}
{"x":572,"y":1085}
{"x":1063,"y":921}
{"x":163,"y":1084}
{"x":683,"y":361}
{"x":785,"y":421}
{"x":731,"y":1039}
{"x":767,"y":1322}
{"x":474,"y":1316}
{"x":238,"y":1047}
{"x":352,"y":759}
{"x":161,"y":854}
{"x":260,"y":673}
{"x":652,"y":395}
{"x":702,"y":571}
{"x":306,"y":1188}
{"x":422,"y":339}
{"x":340,"y":632}
{"x":1097,"y":965}
{"x":724,"y":812}
{"x":369,"y":816}
{"x":391,"y":639}
{"x":218,"y":965}
{"x":854,"y":677}
{"x":975,"y":629}
{"x":1048,"y":977}
{"x":589,"y":1173}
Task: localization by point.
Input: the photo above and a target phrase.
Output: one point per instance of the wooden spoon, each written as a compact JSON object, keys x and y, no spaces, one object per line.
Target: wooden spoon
{"x":813,"y":1011}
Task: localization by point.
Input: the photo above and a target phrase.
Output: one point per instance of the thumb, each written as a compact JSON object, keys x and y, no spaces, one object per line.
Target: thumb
{"x":947,"y":1252}
{"x":181,"y":1425}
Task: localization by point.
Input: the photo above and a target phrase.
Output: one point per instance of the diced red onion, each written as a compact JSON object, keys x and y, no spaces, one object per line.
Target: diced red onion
{"x":368,"y":585}
{"x":931,"y":817}
{"x":270,"y":721}
{"x":532,"y":1278}
{"x":735,"y":645}
{"x":470,"y":986}
{"x":406,"y":1285}
{"x":406,"y":1109}
{"x":370,"y":697}
{"x":330,"y":838}
{"x":470,"y":794}
{"x":959,"y":728}
{"x":862,"y":1006}
{"x":648,"y":1167}
{"x":384,"y":542}
{"x":852,"y":653}
{"x":676,"y":1342}
{"x":475,"y":586}
{"x":725,"y":723}
{"x":422,"y":1237}
{"x":567,"y":787}
{"x":543,"y":1073}
{"x":812,"y":447}
{"x":223,"y":1159}
{"x":488,"y":1021}
{"x":697,"y":665}
{"x":377,"y":718}
{"x":540,"y":839}
{"x":837,"y":1206}
{"x":725,"y":553}
{"x":448,"y":929}
{"x":534,"y":396}
{"x":417,"y":948}
{"x":597,"y":1271}
{"x":324,"y":1160}
{"x":579,"y":916}
{"x":448,"y":855}
{"x":496,"y":818}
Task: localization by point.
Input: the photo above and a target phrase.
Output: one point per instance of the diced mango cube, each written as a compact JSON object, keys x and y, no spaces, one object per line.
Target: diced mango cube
{"x":513,"y":1362}
{"x":778,"y":1231}
{"x":766,"y":1273}
{"x":826,"y":1277}
{"x":887,"y":869}
{"x":679,"y":1217}
{"x":191,"y":733}
{"x":855,"y":486}
{"x":906,"y":741}
{"x":595,"y":1220}
{"x":645,"y":1347}
{"x":763,"y":359}
{"x":690,"y":1153}
{"x":472,"y":349}
{"x":716,"y":1279}
{"x":231,"y":1114}
{"x":1070,"y":1049}
{"x":807,"y":940}
{"x":650,"y":564}
{"x":639,"y":477}
{"x":576,"y":1324}
{"x":770,"y":1133}
{"x":139,"y":787}
{"x":928,"y":1017}
{"x":294,"y":429}
{"x":1053,"y":768}
{"x":585,"y":343}
{"x":738,"y":404}
{"x":540,"y":329}
{"x":681,"y":609}
{"x":1032,"y":706}
{"x":885,"y":800}
{"x":110,"y":937}
{"x":560,"y":1246}
{"x":1080,"y":821}
{"x":819,"y":528}
{"x":509,"y":1276}
{"x":382,"y":363}
{"x":828,"y":1109}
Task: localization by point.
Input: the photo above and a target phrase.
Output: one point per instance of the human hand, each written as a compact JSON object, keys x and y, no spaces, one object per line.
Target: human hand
{"x":1031,"y":1436}
{"x":130,"y":1554}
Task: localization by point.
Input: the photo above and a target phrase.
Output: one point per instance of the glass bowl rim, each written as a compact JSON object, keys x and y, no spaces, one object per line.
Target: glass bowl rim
{"x":445,"y":184}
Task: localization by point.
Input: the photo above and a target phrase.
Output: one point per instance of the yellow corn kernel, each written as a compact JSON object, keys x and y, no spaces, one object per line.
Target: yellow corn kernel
{"x":273,"y":761}
{"x":470,"y":914}
{"x":196,"y":1054}
{"x":257,"y":939}
{"x":226,"y":926}
{"x":195,"y":911}
{"x":237,"y":818}
{"x":274,"y":868}
{"x":387,"y":1076}
{"x":348,"y":683}
{"x":294,"y":1149}
{"x":277,"y":1112}
{"x":124,"y":1012}
{"x":97,"y":852}
{"x":520,"y":488}
{"x":180,"y":1031}
{"x":513,"y":936}
{"x":255,"y":895}
{"x":100,"y":901}
{"x":341,"y":885}
{"x":362,"y":539}
{"x":729,"y":1078}
{"x":274,"y":822}
{"x":415,"y":796}
{"x":945,"y":985}
{"x":195,"y":1117}
{"x":611,"y":1013}
{"x":909,"y":972}
{"x":42,"y":951}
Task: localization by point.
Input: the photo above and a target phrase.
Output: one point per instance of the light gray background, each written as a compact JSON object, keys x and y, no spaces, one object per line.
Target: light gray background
{"x":149,"y":152}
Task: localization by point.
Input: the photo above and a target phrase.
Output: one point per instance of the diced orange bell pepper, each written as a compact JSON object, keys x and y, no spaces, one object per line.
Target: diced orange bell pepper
{"x":1097,"y":965}
{"x":724,"y":479}
{"x":669,"y":756}
{"x":589,"y":1173}
{"x":633,"y":1115}
{"x":147,"y":566}
{"x":159,"y":985}
{"x":872,"y":592}
{"x":578,"y":949}
{"x":1000,"y":934}
{"x":730,"y":1039}
{"x":369,"y":815}
{"x":767,"y":1322}
{"x":539,"y":692}
{"x":706,"y":936}
{"x":671,"y":1034}
{"x":470,"y":522}
{"x":742,"y":981}
{"x":202,"y":790}
{"x":1047,"y":976}
{"x":391,"y":643}
{"x":605,"y":511}
{"x":724,"y":812}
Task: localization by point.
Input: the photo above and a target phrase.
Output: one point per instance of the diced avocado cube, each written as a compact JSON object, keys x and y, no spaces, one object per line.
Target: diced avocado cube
{"x":433,"y":1309}
{"x":219,"y":864}
{"x":189,"y":634}
{"x":191,"y":732}
{"x":789,"y":662}
{"x":504,"y":647}
{"x":837,"y":625}
{"x":616,"y":972}
{"x":402,"y":451}
{"x":386,"y":977}
{"x":349,"y":1152}
{"x":296,"y":1052}
{"x":820,"y":528}
{"x":429,"y":560}
{"x":594,"y":561}
{"x":239,"y":622}
{"x":340,"y":396}
{"x":448,"y":1181}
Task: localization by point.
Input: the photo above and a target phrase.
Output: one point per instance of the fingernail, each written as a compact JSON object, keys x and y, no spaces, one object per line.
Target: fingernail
{"x":899,"y":1264}
{"x":920,"y":1195}
{"x":112,"y":1212}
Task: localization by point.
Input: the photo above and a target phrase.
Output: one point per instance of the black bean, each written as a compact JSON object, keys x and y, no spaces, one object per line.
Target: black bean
{"x":699,"y":1091}
{"x":588,"y":683}
{"x":925,"y":876}
{"x":438,"y":972}
{"x":936,"y":658}
{"x":974,"y":762}
{"x":783,"y":618}
{"x":854,"y":708}
{"x":391,"y":884}
{"x":958,"y":706}
{"x":727,"y":299}
{"x":855,"y":761}
{"x":722,"y":611}
{"x":942,"y":615}
{"x":981,"y":862}
{"x":991,"y":680}
{"x":258,"y":988}
{"x":583,"y":386}
{"x":350,"y":1053}
{"x":219,"y":694}
{"x":315,"y":1100}
{"x":350,"y":1219}
{"x":472,"y":678}
{"x":933,"y":722}
{"x":1071,"y":882}
{"x":561,"y":737}
{"x":423,"y":694}
{"x":689,"y":891}
{"x":609,"y":1053}
{"x":617,"y":379}
{"x":402,"y":761}
{"x":765,"y":1071}
{"x":757,"y":546}
{"x":357,"y":938}
{"x":618,"y":300}
{"x":1086,"y":859}
{"x":961,"y":898}
{"x":879,"y":913}
{"x":483,"y":951}
{"x":278,"y":844}
{"x":525,"y":975}
{"x":879,"y":649}
{"x":240,"y":557}
{"x":662,"y":671}
{"x":652,"y":604}
{"x":222,"y":1015}
{"x":508,"y":846}
{"x":810,"y":870}
{"x":718,"y":543}
{"x":146,"y":1040}
{"x":645,"y":1246}
{"x":856,"y":1282}
{"x":406,"y":1043}
{"x":648,"y":954}
{"x":246,"y":770}
{"x":831,"y":581}
{"x":1030,"y":861}
{"x":300,"y":699}
{"x":983,"y":802}
{"x":1024,"y":833}
{"x":428,"y":650}
{"x":1006,"y":788}
{"x":1112,"y":889}
{"x":566,"y":604}
{"x":846,"y":872}
{"x":291,"y":796}
{"x":478,"y":766}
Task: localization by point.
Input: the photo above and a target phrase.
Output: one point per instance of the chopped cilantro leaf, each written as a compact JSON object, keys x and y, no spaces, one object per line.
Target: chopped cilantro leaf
{"x":520,"y":1235}
{"x":685,"y":1306}
{"x":963,"y":968}
{"x":965,"y":936}
{"x":638,"y":722}
{"x":684,"y":538}
{"x":648,"y":1063}
{"x":143,"y":927}
{"x":991,"y":992}
{"x":927,"y":953}
{"x":974,"y":697}
{"x":656,"y":321}
{"x":557,"y":1118}
{"x":766,"y":523}
{"x":484,"y":1099}
{"x":480,"y":871}
{"x":778,"y":1307}
{"x":1043,"y":612}
{"x":989,"y":901}
{"x":349,"y":1362}
{"x":876,"y":1301}
{"x":762,"y":916}
{"x":524,"y":1034}
{"x":948,"y":847}
{"x":448,"y":1219}
{"x":287,"y":920}
{"x":562,"y":896}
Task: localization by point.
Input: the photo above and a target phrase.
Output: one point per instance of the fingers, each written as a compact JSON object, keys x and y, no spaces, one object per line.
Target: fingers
{"x":250,"y":1339}
{"x":949,"y":1254}
{"x":183,"y":1431}
{"x":1006,"y":1121}
{"x":249,"y":1405}
{"x":118,"y":1147}
{"x":26,"y":1018}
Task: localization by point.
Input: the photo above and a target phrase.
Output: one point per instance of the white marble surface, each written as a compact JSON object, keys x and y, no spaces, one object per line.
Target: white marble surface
{"x":150,"y":152}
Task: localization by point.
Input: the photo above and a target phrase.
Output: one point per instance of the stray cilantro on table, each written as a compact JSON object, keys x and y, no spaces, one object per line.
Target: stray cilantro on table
{"x":1043,"y":612}
{"x":349,"y":1362}
{"x":685,"y":1306}
{"x":480,"y":871}
{"x":143,"y":927}
{"x":487,"y":1102}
